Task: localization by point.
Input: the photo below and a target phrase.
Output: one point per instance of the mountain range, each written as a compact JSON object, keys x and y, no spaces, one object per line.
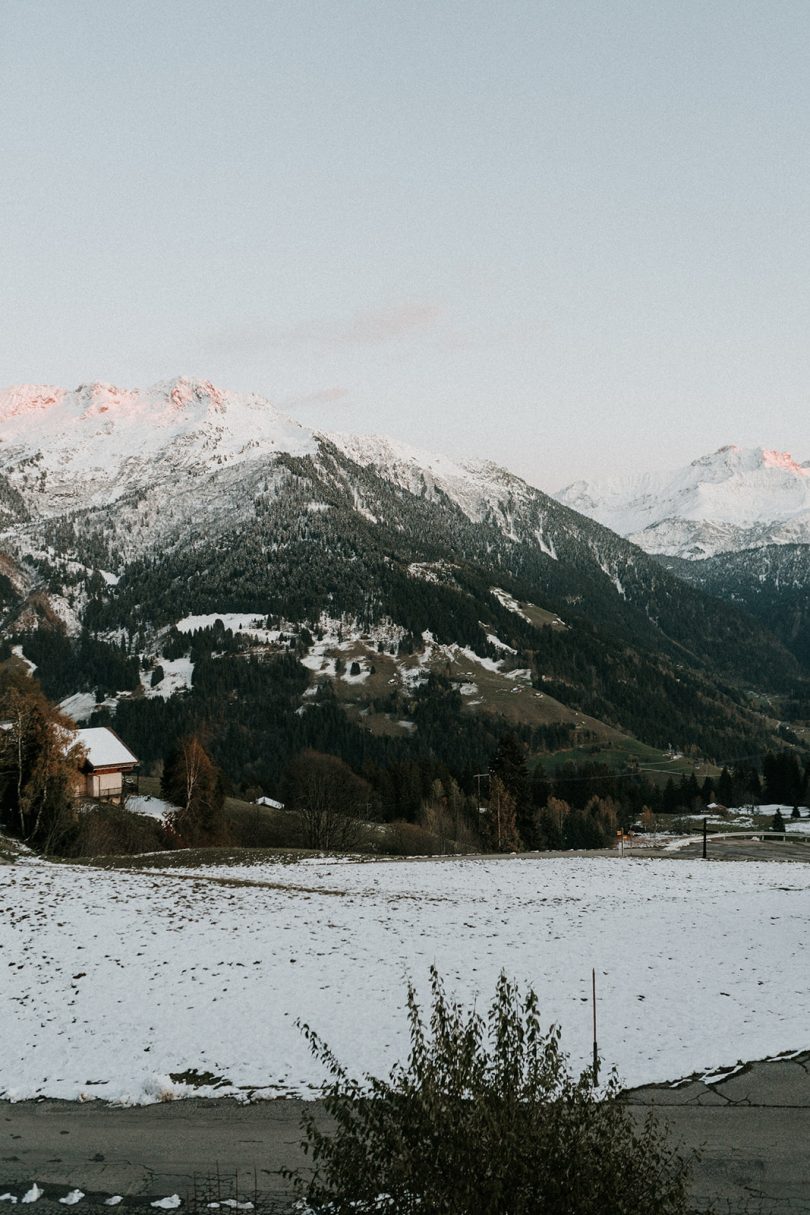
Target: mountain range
{"x":736,"y":498}
{"x":131,"y":521}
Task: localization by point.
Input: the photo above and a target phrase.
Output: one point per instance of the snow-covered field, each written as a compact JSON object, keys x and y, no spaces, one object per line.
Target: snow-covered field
{"x":115,"y":979}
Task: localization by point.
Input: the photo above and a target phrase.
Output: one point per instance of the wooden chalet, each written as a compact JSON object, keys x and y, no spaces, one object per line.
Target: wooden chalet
{"x":107,"y":766}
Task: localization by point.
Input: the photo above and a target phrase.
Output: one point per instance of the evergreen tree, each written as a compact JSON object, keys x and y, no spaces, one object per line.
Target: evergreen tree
{"x":670,"y":800}
{"x":509,"y":765}
{"x":725,"y":788}
{"x":784,"y":778}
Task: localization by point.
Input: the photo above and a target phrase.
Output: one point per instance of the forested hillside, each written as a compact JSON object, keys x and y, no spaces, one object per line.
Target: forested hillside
{"x":385,"y":605}
{"x":771,"y":583}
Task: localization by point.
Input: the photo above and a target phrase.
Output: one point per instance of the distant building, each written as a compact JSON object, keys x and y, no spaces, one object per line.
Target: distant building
{"x":269,"y":801}
{"x":107,"y":765}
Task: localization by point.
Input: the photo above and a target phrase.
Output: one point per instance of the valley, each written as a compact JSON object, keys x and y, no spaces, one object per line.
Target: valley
{"x":393,"y":577}
{"x":392,"y":711}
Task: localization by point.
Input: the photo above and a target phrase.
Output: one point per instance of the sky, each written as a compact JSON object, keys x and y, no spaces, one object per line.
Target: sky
{"x":572,"y":237}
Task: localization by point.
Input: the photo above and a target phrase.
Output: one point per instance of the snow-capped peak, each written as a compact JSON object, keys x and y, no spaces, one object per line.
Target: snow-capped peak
{"x":184,"y":452}
{"x":26,"y":399}
{"x":735,"y":497}
{"x":734,"y":460}
{"x":88,"y":446}
{"x":476,"y":486}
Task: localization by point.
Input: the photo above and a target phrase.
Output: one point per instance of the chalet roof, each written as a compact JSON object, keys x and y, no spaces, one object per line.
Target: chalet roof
{"x":104,"y":748}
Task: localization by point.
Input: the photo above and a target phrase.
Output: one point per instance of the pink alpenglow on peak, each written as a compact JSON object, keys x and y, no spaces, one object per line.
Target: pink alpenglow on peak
{"x":91,"y":445}
{"x":183,"y":392}
{"x":23,"y":399}
{"x":735,"y":498}
{"x":783,"y":459}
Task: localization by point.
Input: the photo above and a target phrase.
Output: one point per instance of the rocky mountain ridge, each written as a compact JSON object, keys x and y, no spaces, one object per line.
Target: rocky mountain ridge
{"x":125,"y":512}
{"x":736,"y":498}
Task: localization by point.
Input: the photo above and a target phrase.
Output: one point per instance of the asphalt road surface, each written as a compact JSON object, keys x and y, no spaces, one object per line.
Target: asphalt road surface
{"x":753,"y":1128}
{"x":731,"y":849}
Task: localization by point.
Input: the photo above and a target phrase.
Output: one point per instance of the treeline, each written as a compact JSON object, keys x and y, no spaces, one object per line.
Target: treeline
{"x":576,"y":668}
{"x":780,"y":777}
{"x":583,"y":805}
{"x":248,"y":713}
{"x":76,"y":664}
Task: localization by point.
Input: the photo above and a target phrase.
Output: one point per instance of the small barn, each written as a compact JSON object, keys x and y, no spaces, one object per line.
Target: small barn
{"x":107,"y":766}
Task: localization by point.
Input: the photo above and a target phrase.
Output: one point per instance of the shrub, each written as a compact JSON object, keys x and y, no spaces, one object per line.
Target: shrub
{"x":108,"y":830}
{"x":407,"y":839}
{"x":262,"y":827}
{"x":485,"y":1117}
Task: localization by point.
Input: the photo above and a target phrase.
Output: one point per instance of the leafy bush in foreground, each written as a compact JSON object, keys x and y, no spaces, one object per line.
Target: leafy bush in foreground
{"x":485,"y":1117}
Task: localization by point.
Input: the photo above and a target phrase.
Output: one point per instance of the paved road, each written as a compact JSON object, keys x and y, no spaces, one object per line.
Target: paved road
{"x":734,"y":850}
{"x":149,"y":1152}
{"x":754,"y":1128}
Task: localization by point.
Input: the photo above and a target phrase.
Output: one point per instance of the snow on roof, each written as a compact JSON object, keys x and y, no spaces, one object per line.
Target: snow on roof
{"x":104,"y":748}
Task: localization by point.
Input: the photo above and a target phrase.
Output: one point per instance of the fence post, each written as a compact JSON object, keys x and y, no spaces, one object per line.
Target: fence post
{"x":595,"y":1048}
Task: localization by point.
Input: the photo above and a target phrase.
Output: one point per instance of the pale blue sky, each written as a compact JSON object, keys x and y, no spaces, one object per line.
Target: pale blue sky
{"x":572,"y":236}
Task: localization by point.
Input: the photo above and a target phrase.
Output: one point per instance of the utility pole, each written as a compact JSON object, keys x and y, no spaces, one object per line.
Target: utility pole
{"x":704,"y":838}
{"x":478,"y":777}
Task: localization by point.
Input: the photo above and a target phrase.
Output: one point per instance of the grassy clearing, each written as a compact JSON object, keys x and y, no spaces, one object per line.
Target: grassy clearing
{"x":194,"y":858}
{"x":541,"y":617}
{"x":495,"y":693}
{"x":622,"y":753}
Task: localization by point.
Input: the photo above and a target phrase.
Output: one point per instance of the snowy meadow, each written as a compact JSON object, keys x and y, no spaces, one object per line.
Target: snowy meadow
{"x":142,"y":986}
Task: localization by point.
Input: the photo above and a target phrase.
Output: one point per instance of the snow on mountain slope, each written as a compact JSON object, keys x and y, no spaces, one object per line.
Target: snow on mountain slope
{"x":476,"y":486}
{"x":734,"y":498}
{"x":65,"y":450}
{"x":183,"y":459}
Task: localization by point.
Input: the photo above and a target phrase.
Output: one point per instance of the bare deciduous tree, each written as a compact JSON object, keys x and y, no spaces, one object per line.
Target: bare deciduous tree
{"x":39,"y":762}
{"x":193,"y":783}
{"x":331,"y":802}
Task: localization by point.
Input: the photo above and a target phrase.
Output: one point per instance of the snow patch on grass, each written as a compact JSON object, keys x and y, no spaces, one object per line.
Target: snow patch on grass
{"x":152,"y":807}
{"x":508,"y":601}
{"x":177,"y":677}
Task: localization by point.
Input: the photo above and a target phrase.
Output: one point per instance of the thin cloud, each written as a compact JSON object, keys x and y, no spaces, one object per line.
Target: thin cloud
{"x":321,"y":396}
{"x":370,"y":328}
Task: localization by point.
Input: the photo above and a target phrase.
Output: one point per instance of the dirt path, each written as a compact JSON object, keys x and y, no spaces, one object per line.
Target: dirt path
{"x":754,"y":1128}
